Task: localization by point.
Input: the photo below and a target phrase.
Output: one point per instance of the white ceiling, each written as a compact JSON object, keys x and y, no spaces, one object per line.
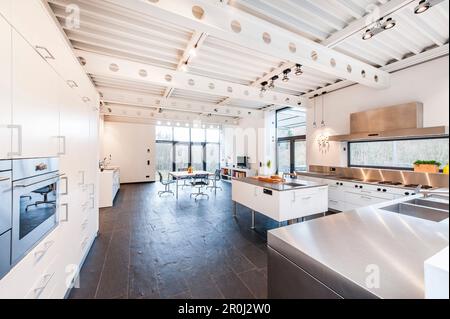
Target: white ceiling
{"x":114,"y":32}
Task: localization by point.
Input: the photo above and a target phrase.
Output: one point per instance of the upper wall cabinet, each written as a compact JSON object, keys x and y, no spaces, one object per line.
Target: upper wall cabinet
{"x":5,"y":88}
{"x":5,"y":8}
{"x":50,"y":41}
{"x":35,"y":103}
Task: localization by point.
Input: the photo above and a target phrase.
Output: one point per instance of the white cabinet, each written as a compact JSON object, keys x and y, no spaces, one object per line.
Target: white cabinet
{"x":281,"y":205}
{"x":5,"y":9}
{"x":35,"y":103}
{"x":5,"y":88}
{"x":109,"y":186}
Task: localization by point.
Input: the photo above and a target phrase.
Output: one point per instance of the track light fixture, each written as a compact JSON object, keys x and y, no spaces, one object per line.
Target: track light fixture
{"x":380,"y":26}
{"x":272,"y":82}
{"x":298,"y":70}
{"x":424,"y":5}
{"x":286,"y":75}
{"x":264,"y":87}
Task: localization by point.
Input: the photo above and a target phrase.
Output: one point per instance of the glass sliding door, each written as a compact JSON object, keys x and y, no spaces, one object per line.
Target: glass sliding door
{"x":300,"y":156}
{"x":197,"y":158}
{"x":284,"y":156}
{"x":291,"y":138}
{"x":181,"y":156}
{"x":164,"y":158}
{"x":212,"y":157}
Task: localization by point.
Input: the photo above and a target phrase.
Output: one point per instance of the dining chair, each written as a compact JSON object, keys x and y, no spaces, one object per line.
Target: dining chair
{"x":200,"y":181}
{"x":166,"y":184}
{"x":214,"y":179}
{"x":186,"y":180}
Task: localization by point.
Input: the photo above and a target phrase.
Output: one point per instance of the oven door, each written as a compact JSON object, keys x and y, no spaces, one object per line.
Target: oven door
{"x":35,"y":212}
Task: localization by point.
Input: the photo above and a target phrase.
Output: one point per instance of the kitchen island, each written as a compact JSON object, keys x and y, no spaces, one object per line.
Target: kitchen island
{"x":371,"y":252}
{"x":285,"y":201}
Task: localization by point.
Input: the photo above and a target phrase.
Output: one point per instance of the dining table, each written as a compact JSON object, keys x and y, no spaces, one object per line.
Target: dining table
{"x":182,"y":175}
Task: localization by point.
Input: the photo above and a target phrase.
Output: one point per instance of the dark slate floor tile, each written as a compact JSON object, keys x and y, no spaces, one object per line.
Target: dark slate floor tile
{"x":152,"y":247}
{"x":232,"y":287}
{"x":256,"y":281}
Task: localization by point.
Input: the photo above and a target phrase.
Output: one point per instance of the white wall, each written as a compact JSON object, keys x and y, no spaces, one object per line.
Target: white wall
{"x":127,"y":143}
{"x":246,"y":139}
{"x":427,"y":83}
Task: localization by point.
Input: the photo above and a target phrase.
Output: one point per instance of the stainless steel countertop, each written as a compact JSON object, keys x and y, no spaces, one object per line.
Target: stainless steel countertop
{"x":340,"y":249}
{"x":281,"y":187}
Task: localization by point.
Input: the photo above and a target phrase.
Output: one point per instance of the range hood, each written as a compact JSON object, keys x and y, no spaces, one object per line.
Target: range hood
{"x":392,"y":122}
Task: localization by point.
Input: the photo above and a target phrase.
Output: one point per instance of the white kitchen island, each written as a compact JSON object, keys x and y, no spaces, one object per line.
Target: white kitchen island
{"x":281,"y":202}
{"x":109,"y":186}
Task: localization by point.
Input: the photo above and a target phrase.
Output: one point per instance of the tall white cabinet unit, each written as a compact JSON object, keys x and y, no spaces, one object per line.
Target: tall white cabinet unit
{"x":49,"y":108}
{"x":5,"y":87}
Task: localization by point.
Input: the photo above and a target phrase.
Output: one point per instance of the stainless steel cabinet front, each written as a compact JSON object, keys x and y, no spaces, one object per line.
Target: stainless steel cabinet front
{"x":5,"y":201}
{"x":5,"y":253}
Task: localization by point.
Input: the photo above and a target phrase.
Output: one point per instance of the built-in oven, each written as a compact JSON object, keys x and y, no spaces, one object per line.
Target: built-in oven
{"x":35,"y":202}
{"x":5,"y":216}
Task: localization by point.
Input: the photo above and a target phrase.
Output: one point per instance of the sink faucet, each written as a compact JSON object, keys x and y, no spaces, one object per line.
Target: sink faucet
{"x":427,"y":194}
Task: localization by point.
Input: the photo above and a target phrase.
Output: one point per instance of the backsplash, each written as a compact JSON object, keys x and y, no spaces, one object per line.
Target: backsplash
{"x":367,"y":174}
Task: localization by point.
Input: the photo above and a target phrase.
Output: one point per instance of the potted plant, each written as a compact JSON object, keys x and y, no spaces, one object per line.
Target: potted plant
{"x":427,"y":166}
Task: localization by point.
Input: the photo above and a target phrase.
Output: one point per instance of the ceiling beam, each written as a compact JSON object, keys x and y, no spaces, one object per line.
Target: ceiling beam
{"x":256,"y":34}
{"x":152,"y":116}
{"x":363,"y":22}
{"x":194,"y":43}
{"x":125,"y":97}
{"x":98,"y":64}
{"x":423,"y":57}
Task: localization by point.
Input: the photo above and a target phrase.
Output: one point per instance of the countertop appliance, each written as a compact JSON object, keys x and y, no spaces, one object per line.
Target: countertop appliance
{"x":35,"y":202}
{"x":5,"y":217}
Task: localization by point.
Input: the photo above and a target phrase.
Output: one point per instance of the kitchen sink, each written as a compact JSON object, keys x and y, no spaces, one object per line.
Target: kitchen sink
{"x":429,"y":203}
{"x":293,"y":184}
{"x":423,"y":212}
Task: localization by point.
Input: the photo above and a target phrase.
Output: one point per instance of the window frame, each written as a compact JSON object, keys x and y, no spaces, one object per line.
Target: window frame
{"x":190,"y":144}
{"x":349,"y":163}
{"x":290,"y":139}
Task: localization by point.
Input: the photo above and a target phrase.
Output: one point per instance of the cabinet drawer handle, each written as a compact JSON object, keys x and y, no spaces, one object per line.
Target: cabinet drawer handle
{"x":365,"y":197}
{"x":83,"y":173}
{"x":19,"y":140}
{"x":66,"y":183}
{"x":84,"y":225}
{"x":306,"y":198}
{"x":44,"y":53}
{"x":63,"y":152}
{"x":4,"y":179}
{"x":41,"y":253}
{"x":333,"y":201}
{"x":39,"y":290}
{"x":65,"y":220}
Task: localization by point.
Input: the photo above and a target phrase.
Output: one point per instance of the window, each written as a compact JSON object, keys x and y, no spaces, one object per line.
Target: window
{"x":181,"y":134}
{"x":397,"y":154}
{"x":291,"y":140}
{"x":178,"y":148}
{"x":164,"y":133}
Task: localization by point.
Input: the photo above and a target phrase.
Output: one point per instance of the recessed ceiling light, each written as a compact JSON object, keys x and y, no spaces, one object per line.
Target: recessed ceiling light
{"x":423,"y":6}
{"x":169,"y":124}
{"x":298,"y":69}
{"x":159,"y":122}
{"x":285,"y":75}
{"x":389,"y":24}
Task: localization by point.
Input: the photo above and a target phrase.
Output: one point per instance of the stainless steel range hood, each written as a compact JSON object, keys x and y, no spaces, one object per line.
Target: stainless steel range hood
{"x":393,"y":122}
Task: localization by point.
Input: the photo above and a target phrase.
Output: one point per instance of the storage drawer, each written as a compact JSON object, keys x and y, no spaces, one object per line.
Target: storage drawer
{"x":5,"y":253}
{"x":5,"y":202}
{"x":336,"y":205}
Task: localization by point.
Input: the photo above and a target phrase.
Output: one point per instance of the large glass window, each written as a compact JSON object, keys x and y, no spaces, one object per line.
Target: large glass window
{"x":291,"y":136}
{"x":164,"y":133}
{"x":164,"y":159}
{"x":177,"y":148}
{"x":399,"y":154}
